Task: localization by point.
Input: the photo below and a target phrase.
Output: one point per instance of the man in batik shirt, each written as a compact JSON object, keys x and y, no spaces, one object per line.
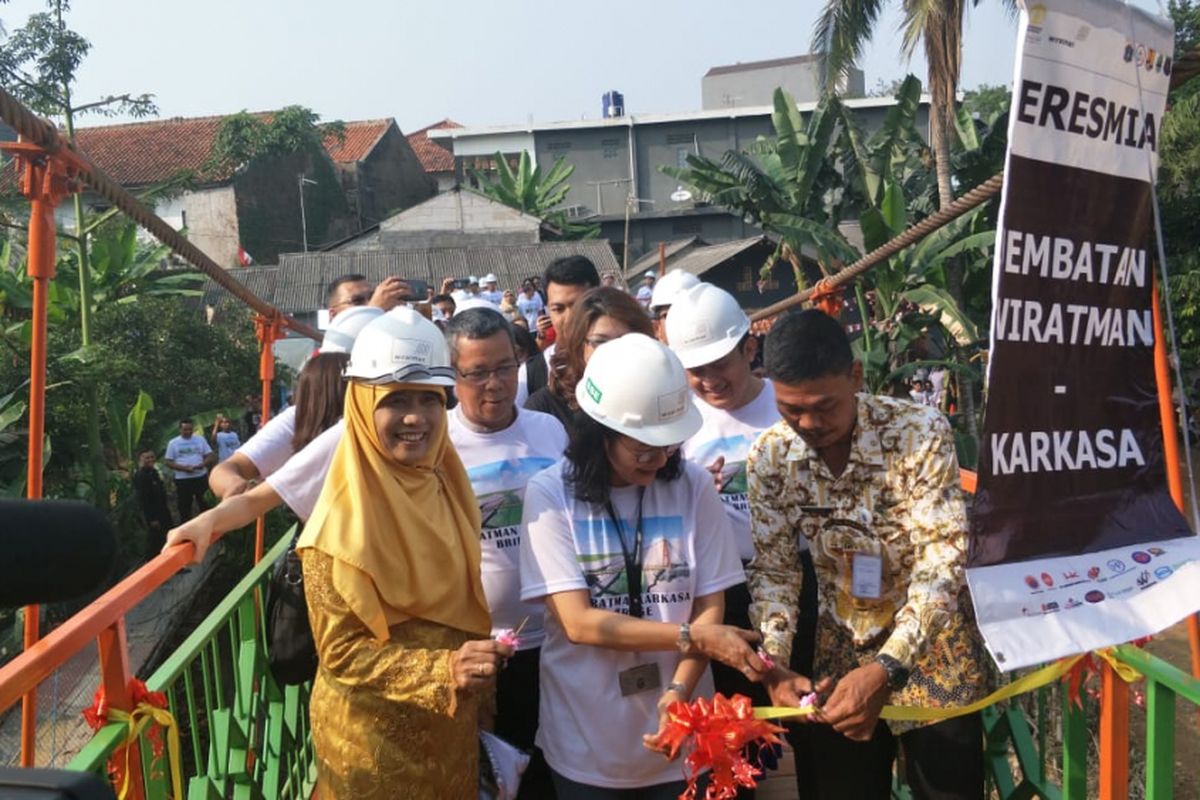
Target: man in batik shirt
{"x":872,"y":484}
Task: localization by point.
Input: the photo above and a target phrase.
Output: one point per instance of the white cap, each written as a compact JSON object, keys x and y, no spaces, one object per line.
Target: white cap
{"x":472,"y":301}
{"x":472,"y":279}
{"x":656,"y":408}
{"x":340,"y":335}
{"x":401,"y":347}
{"x":672,"y":284}
{"x":490,"y":278}
{"x":705,"y":323}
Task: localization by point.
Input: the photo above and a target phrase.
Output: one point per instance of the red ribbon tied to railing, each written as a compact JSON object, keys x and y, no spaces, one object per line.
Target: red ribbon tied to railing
{"x":715,"y":734}
{"x":149,"y":709}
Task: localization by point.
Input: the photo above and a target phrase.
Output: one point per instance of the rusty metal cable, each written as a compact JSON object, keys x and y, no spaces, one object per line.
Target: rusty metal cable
{"x":962,"y":205}
{"x":43,"y":133}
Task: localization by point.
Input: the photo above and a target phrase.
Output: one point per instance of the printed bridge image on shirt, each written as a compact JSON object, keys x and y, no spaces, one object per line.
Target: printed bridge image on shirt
{"x":500,"y":489}
{"x":733,"y":474}
{"x":664,"y":558}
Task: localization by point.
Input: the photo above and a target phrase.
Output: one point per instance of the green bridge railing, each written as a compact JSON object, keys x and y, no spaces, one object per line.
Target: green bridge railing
{"x":242,"y":735}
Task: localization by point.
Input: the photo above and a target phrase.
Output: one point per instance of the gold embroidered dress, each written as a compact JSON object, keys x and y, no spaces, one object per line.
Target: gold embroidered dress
{"x":391,"y":573}
{"x":899,"y":501}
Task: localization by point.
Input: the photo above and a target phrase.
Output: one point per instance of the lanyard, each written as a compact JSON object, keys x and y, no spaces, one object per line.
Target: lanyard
{"x":633,"y":559}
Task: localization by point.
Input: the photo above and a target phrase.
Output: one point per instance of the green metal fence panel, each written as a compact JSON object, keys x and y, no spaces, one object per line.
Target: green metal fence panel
{"x":242,"y":735}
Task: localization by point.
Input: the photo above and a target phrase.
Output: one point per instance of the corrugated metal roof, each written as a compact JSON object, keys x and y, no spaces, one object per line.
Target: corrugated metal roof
{"x":650,"y":260}
{"x":298,"y":284}
{"x":701,"y":259}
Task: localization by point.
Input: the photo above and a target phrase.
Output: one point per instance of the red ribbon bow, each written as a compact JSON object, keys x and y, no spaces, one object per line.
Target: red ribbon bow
{"x":716,"y":733}
{"x":97,"y":715}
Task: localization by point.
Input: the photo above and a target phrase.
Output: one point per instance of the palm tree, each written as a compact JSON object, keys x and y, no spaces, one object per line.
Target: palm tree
{"x":844,"y":28}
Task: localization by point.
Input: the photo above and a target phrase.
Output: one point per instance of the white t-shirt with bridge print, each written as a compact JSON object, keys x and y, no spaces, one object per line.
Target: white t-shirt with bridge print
{"x":499,"y":464}
{"x":588,"y":729}
{"x":730,"y":434}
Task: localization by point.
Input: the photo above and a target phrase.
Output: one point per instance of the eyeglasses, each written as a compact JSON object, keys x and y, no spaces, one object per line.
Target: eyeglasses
{"x":478,"y":377}
{"x":646,"y":453}
{"x":360,"y":299}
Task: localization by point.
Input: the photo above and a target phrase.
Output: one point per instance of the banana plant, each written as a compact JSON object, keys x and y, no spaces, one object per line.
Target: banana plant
{"x":126,"y":430}
{"x":787,"y":184}
{"x":533,"y":193}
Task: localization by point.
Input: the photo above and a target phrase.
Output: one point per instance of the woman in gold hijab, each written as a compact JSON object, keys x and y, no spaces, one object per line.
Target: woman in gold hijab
{"x":391,"y":572}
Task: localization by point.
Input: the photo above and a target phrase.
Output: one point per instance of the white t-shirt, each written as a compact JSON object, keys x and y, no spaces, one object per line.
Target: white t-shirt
{"x":189,"y":452}
{"x":522,"y":386}
{"x":499,"y":465}
{"x":730,"y":434}
{"x":588,"y":730}
{"x":644,"y":294}
{"x":271,"y":447}
{"x":299,"y":481}
{"x":227,"y":443}
{"x":530,"y":307}
{"x":495,"y":298}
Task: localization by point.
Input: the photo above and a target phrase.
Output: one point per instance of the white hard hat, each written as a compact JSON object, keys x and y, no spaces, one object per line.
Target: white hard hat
{"x":490,"y":278}
{"x":472,"y":279}
{"x":401,"y":347}
{"x":656,"y":409}
{"x":705,"y":323}
{"x":672,"y":284}
{"x":340,"y":335}
{"x":459,"y":296}
{"x":473,"y":301}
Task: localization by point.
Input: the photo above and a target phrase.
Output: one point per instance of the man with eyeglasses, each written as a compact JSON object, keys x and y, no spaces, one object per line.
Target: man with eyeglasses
{"x":502,"y":447}
{"x":347,"y":291}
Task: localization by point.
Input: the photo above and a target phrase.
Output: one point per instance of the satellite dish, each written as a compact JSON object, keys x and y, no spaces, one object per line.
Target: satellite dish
{"x":681,"y":195}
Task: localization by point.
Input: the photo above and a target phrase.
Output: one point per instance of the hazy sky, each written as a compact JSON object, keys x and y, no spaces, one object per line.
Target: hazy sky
{"x":475,"y":61}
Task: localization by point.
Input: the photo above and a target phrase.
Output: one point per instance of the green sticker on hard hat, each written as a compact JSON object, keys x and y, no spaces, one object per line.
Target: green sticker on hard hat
{"x":593,"y":391}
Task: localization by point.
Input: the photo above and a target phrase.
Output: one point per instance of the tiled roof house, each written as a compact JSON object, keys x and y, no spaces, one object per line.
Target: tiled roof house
{"x":437,"y":161}
{"x":366,"y":174}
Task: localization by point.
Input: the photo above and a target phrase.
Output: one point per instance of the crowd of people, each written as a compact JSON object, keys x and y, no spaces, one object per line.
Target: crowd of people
{"x":553,"y":513}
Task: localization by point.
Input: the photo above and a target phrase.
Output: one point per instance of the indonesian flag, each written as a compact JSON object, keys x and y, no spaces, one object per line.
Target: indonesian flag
{"x":244,"y":258}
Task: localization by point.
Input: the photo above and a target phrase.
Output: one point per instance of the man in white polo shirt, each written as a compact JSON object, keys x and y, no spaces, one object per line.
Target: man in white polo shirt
{"x":502,"y":447}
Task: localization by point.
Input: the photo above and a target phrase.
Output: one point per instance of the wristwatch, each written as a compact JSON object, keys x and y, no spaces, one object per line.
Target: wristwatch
{"x":897,"y":674}
{"x":684,"y":642}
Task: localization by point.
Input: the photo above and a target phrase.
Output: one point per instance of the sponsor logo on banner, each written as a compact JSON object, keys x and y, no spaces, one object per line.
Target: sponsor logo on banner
{"x":1071,"y":479}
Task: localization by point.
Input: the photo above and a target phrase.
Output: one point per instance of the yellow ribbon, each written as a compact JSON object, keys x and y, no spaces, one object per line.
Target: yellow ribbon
{"x":1034,"y":680}
{"x":137,"y":720}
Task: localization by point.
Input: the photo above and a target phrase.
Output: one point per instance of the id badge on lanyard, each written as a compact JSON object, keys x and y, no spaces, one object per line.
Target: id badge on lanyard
{"x":633,"y":558}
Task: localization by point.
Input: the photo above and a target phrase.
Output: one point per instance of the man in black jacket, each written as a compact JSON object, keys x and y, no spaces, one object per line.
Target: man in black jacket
{"x":152,"y":499}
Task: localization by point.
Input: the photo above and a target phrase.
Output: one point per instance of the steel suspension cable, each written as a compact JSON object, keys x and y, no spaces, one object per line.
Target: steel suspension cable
{"x":977,"y":196}
{"x":43,"y":133}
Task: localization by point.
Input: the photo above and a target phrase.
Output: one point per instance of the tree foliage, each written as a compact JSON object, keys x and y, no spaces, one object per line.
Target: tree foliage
{"x":39,"y":61}
{"x":243,"y":137}
{"x":530,"y":191}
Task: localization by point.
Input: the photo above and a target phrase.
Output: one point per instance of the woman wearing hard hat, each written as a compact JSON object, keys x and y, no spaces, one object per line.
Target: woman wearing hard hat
{"x":283,"y":451}
{"x":630,"y":550}
{"x":392,"y":577}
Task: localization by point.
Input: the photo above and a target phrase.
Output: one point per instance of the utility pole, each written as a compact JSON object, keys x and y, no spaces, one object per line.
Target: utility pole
{"x":301,"y":180}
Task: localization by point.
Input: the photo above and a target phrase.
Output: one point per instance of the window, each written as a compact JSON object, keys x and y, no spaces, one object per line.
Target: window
{"x":611,"y":147}
{"x":558,"y":148}
{"x":681,"y":156}
{"x":681,"y":138}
